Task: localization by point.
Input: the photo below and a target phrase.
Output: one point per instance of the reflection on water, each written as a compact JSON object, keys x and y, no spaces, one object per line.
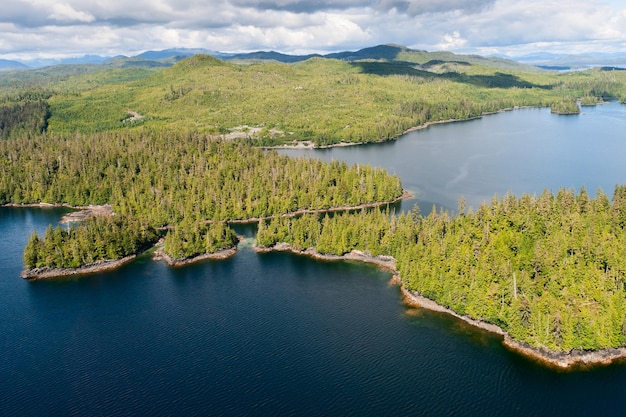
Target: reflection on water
{"x":522,"y":151}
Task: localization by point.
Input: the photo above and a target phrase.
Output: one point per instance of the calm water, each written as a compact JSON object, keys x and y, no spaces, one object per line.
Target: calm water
{"x":523,"y":151}
{"x":276,"y":334}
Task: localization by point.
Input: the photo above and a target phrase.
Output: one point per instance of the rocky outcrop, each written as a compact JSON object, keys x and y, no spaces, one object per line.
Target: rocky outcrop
{"x":159,"y":254}
{"x":385,"y":262}
{"x":100,"y":266}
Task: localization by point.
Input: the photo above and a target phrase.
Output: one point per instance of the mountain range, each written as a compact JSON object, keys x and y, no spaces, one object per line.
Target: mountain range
{"x":392,"y":53}
{"x":168,"y":57}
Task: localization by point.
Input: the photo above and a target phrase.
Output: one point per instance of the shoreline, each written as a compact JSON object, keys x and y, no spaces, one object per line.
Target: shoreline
{"x":308,"y":144}
{"x":387,"y":263}
{"x":35,"y":274}
{"x":574,"y":359}
{"x":160,"y":255}
{"x":405,"y":195}
{"x":82,"y":213}
{"x":86,"y":212}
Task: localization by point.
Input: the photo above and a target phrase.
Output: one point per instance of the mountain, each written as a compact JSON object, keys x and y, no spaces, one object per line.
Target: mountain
{"x":13,"y":65}
{"x":126,"y":62}
{"x":268,"y":56}
{"x":379,"y":52}
{"x":388,"y":53}
{"x":392,"y":53}
{"x":172,"y":52}
{"x":47,"y":62}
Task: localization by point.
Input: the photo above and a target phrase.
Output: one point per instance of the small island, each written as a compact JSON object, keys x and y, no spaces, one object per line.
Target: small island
{"x":565,"y":106}
{"x":37,"y":273}
{"x":98,"y":244}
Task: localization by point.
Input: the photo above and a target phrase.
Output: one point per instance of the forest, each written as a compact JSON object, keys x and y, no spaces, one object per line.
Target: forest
{"x":23,"y":114}
{"x":99,"y":239}
{"x":179,"y":182}
{"x":547,"y":269}
{"x":322,"y":101}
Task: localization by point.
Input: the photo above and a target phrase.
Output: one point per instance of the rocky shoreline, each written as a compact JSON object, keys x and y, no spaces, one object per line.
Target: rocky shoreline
{"x":83,"y":212}
{"x":159,"y":254}
{"x":562,"y":360}
{"x":385,"y":262}
{"x":35,"y":274}
{"x":308,"y":144}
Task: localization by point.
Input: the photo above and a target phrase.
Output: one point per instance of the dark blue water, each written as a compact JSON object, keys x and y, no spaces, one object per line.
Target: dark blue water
{"x":270,"y":334}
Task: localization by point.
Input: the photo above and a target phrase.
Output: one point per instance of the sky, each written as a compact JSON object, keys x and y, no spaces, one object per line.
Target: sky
{"x":32,"y":29}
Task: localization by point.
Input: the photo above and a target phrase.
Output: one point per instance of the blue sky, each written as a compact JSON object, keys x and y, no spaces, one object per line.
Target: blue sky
{"x":49,"y":29}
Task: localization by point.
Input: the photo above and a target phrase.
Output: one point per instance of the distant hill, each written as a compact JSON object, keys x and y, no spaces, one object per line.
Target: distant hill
{"x":391,"y":53}
{"x":126,"y":62}
{"x":82,"y":60}
{"x":387,"y":53}
{"x":173,"y":52}
{"x":268,"y":56}
{"x":8,"y":64}
{"x":379,"y":52}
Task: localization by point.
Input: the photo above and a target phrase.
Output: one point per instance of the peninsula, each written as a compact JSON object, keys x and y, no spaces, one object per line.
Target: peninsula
{"x":515,"y":267}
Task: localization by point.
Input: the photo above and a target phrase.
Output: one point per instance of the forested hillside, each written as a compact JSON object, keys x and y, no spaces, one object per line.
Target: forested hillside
{"x":24,"y":113}
{"x":548,"y":269}
{"x":320,"y":100}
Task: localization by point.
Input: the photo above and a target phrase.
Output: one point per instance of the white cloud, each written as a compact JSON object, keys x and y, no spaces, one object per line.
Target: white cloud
{"x":66,"y":13}
{"x":452,"y":41}
{"x":125,"y":27}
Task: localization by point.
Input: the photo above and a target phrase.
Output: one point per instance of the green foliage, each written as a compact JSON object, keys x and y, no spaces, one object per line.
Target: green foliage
{"x":188,"y":240}
{"x":565,"y":106}
{"x":337,"y":234}
{"x":590,"y":100}
{"x":164,"y":178}
{"x":181,"y":180}
{"x":101,"y":238}
{"x":24,"y":113}
{"x":326,"y":101}
{"x":321,"y":100}
{"x":547,"y":269}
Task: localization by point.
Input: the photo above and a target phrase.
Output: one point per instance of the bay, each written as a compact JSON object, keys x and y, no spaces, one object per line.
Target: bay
{"x":277,"y":334}
{"x":521,"y":151}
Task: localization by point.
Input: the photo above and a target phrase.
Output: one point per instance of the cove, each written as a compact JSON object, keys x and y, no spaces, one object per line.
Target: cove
{"x":277,"y":334}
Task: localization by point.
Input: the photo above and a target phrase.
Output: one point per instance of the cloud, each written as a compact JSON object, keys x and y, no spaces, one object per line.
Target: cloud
{"x":125,"y":27}
{"x":66,"y":13}
{"x":419,"y":7}
{"x":301,"y":6}
{"x":452,"y":41}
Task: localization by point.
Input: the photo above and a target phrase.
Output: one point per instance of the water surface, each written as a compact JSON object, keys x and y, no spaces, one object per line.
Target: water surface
{"x":276,"y":334}
{"x":521,"y":151}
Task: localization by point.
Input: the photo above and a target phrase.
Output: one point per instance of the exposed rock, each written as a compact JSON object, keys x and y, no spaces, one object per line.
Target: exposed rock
{"x":99,"y":266}
{"x":159,"y":254}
